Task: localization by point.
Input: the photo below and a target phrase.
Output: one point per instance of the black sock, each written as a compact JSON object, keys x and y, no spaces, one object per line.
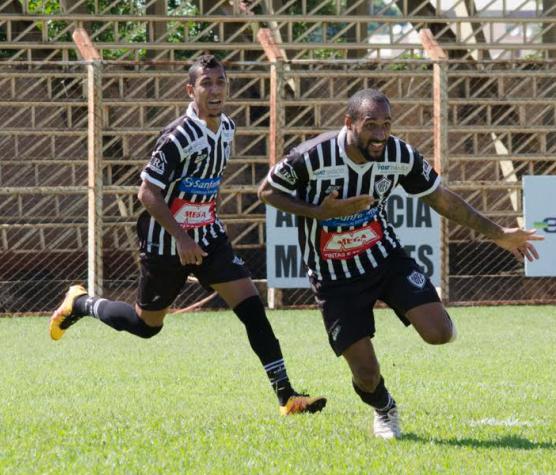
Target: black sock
{"x":118,"y":315}
{"x":261,"y":337}
{"x":380,"y":399}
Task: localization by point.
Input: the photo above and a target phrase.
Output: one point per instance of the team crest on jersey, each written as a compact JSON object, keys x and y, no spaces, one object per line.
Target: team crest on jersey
{"x":158,"y":162}
{"x":332,"y":188}
{"x":417,"y":279}
{"x":427,"y":170}
{"x":382,"y":186}
{"x":227,"y":135}
{"x":286,"y":172}
{"x":200,"y":158}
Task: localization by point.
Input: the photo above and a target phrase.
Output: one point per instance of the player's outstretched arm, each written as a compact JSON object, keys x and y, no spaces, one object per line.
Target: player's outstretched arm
{"x":331,"y":206}
{"x":455,"y":208}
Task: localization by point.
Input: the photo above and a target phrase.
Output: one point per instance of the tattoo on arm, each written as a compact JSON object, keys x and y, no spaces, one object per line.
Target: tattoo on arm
{"x":455,"y":208}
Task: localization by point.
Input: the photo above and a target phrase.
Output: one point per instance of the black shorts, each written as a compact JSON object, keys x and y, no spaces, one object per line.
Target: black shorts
{"x":347,"y":307}
{"x":163,"y":277}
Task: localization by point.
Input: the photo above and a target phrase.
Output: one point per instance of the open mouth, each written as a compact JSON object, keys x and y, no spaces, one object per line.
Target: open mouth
{"x":376,"y":146}
{"x":215,"y":102}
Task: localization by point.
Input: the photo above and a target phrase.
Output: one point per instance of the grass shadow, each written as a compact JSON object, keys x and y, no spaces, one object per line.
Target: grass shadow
{"x":506,"y":442}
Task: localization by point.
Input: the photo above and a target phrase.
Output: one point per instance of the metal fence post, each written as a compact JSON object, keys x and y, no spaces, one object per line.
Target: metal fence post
{"x":94,"y":185}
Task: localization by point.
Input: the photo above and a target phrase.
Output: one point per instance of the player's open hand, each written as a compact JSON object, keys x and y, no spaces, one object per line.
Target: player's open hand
{"x":189,"y":251}
{"x":517,"y":241}
{"x":334,"y":207}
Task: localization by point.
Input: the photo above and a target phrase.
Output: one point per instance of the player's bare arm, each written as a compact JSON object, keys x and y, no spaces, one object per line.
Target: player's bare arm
{"x":151,"y":197}
{"x":331,"y":206}
{"x":452,"y":206}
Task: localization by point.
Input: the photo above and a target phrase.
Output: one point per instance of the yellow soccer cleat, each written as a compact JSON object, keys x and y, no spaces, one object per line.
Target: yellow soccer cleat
{"x":63,"y":317}
{"x":300,"y":403}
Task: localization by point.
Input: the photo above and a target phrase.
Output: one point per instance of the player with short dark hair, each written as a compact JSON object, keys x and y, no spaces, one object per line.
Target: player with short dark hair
{"x":180,"y":234}
{"x":354,"y":260}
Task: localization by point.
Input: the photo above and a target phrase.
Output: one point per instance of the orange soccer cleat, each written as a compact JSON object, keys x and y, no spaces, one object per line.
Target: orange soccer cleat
{"x":63,"y":317}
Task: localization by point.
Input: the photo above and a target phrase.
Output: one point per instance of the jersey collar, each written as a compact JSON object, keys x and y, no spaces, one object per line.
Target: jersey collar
{"x":192,"y":114}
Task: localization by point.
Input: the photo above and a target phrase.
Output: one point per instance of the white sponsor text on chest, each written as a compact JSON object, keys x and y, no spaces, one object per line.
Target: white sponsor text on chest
{"x":197,"y":146}
{"x":329,"y":173}
{"x":392,"y":168}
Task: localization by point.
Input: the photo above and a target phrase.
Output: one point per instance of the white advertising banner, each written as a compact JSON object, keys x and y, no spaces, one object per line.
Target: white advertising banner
{"x":417,"y":226}
{"x":284,"y":262}
{"x":539,"y":211}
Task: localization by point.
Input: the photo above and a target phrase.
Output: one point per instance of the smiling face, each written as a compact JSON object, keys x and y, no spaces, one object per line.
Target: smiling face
{"x":209,"y":93}
{"x":368,"y":133}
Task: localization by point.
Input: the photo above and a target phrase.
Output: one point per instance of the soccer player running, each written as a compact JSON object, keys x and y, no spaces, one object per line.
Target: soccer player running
{"x":181,"y":234}
{"x":353,"y":259}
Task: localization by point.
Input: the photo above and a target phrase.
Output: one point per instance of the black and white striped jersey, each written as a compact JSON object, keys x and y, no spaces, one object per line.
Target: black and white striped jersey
{"x":187,"y":164}
{"x":350,"y":246}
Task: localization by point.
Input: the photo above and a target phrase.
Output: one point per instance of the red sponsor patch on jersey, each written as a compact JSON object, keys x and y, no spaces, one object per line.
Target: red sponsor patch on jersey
{"x":347,"y":244}
{"x":193,"y":215}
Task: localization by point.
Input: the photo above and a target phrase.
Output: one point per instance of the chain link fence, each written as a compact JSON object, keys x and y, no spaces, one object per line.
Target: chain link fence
{"x":500,"y":127}
{"x":43,"y":173}
{"x":45,"y":237}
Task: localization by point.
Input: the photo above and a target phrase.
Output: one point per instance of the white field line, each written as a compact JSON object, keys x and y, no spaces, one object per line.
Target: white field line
{"x":510,"y":422}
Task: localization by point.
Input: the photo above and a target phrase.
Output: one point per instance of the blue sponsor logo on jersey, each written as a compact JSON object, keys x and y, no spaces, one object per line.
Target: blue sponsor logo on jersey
{"x":199,"y":186}
{"x":351,"y":220}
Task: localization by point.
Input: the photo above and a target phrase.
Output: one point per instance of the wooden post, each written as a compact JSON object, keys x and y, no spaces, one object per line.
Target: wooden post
{"x":276,"y":58}
{"x":440,"y":134}
{"x":277,"y":120}
{"x":94,"y":146}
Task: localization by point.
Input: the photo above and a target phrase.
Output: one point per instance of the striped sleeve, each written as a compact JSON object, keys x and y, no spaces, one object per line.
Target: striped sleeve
{"x":290,"y":174}
{"x":162,"y":165}
{"x":422,"y":179}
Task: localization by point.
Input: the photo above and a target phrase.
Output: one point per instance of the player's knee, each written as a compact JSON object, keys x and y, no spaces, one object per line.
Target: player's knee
{"x":147,"y":331}
{"x":441,"y":334}
{"x":151,"y":318}
{"x":367,"y":376}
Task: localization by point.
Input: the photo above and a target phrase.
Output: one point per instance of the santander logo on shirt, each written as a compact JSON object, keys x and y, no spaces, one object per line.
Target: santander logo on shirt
{"x":352,"y":220}
{"x":199,"y":186}
{"x":347,"y":244}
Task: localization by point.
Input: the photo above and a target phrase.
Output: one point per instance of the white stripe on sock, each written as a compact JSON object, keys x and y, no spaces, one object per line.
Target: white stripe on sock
{"x":95,"y":307}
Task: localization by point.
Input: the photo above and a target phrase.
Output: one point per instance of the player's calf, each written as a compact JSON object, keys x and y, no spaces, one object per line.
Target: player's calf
{"x":118,"y":315}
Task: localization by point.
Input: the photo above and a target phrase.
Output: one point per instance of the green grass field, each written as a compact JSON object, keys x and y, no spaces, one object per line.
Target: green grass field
{"x":195,"y":400}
